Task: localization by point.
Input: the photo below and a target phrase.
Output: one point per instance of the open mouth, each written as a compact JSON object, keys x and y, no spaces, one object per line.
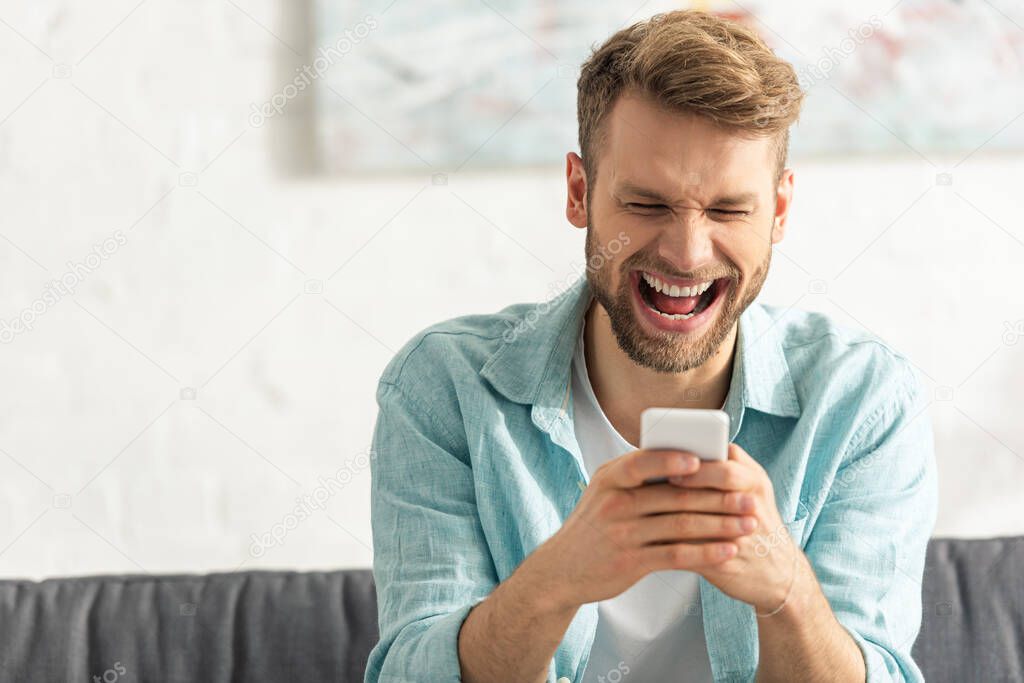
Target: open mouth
{"x":676,"y":302}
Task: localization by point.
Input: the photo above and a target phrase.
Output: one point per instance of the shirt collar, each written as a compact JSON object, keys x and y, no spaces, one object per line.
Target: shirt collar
{"x":761,"y":379}
{"x":532,"y":365}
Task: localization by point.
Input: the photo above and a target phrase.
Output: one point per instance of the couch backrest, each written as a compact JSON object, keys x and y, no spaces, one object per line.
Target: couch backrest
{"x":269,"y":627}
{"x":972,"y":628}
{"x":257,"y":627}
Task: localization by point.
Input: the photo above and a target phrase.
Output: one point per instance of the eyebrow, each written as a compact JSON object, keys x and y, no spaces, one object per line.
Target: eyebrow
{"x":737,"y":200}
{"x":637,"y":190}
{"x":728,"y":200}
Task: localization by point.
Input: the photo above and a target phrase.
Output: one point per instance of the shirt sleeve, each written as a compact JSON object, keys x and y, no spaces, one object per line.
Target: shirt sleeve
{"x":431,"y":561}
{"x":868,"y":544}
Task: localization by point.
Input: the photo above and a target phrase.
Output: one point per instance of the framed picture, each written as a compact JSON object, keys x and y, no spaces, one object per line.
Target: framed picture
{"x":450,"y":84}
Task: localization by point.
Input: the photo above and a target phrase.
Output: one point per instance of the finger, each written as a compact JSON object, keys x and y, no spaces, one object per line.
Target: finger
{"x":658,"y":498}
{"x":690,"y":526}
{"x":741,"y":456}
{"x":686,"y":555}
{"x":634,"y":468}
{"x":727,"y":476}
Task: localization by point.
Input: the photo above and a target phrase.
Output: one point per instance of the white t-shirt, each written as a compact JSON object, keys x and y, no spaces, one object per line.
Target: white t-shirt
{"x":654,"y":630}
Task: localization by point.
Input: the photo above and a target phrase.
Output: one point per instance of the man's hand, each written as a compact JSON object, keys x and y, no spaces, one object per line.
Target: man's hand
{"x":623,"y":529}
{"x":762,"y":572}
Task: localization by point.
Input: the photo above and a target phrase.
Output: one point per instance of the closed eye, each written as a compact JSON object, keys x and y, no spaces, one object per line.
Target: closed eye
{"x":724,"y":213}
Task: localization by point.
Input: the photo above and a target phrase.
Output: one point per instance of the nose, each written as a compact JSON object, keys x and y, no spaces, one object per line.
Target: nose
{"x":687,"y":243}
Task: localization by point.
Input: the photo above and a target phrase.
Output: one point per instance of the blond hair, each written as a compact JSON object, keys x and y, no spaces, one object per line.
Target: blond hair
{"x":690,"y":62}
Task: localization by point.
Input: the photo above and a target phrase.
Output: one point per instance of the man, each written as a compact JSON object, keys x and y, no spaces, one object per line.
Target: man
{"x":517,"y":534}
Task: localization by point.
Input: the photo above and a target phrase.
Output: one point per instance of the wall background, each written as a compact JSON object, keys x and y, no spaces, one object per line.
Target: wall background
{"x":223,"y":355}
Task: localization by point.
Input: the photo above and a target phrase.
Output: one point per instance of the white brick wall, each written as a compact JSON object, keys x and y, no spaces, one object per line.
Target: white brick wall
{"x":105,"y":468}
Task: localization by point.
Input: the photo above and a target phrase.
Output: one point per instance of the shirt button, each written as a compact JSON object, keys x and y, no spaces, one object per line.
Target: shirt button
{"x":563,"y":679}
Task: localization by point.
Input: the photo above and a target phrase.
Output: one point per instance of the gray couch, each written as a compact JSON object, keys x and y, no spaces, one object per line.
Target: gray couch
{"x":275,"y":627}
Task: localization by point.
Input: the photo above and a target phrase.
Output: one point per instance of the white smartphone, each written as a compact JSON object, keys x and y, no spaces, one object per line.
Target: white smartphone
{"x":705,"y":433}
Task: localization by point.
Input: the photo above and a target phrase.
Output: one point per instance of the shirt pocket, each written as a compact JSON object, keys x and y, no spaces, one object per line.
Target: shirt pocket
{"x":797,"y":527}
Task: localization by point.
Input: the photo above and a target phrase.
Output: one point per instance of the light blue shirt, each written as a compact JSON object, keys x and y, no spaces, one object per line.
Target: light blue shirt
{"x":475,"y":463}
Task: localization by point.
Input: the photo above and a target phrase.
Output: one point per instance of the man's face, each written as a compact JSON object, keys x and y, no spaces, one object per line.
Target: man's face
{"x":699,"y":206}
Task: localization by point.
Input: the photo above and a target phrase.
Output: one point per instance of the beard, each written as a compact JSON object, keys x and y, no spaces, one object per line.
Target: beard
{"x":668,"y":352}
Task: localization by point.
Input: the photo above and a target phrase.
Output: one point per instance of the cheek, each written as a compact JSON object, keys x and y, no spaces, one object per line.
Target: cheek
{"x":747,"y":252}
{"x":611,"y":246}
{"x":608,"y":264}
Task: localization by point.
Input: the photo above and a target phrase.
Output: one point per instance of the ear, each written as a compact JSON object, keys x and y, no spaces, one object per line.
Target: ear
{"x":576,"y":182}
{"x":783,"y":202}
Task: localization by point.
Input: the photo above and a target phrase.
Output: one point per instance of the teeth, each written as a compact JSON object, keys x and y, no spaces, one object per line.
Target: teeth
{"x":675,"y":290}
{"x":674,"y":316}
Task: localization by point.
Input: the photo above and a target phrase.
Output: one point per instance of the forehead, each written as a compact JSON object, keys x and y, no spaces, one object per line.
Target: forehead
{"x":669,"y":151}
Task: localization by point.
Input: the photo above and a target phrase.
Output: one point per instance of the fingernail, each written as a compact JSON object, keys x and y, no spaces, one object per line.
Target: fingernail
{"x":748,"y":523}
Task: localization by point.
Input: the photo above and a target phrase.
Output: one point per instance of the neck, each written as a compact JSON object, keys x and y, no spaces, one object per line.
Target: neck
{"x":624,"y":389}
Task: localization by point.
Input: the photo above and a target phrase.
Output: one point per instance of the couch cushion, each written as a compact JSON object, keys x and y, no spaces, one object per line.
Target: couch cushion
{"x":973,"y":611}
{"x":251,"y":626}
